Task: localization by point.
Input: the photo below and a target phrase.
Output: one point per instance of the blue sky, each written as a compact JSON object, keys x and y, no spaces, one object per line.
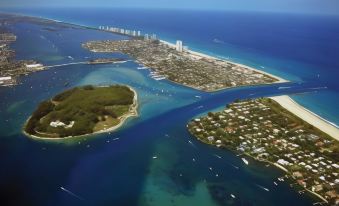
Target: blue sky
{"x":295,"y":6}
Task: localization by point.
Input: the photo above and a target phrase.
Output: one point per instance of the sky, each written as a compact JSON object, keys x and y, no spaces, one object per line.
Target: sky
{"x":293,"y":6}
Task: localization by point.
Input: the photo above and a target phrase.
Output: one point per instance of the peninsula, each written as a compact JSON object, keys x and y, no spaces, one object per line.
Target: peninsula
{"x":266,"y":130}
{"x":82,"y":111}
{"x":185,"y":67}
{"x":10,"y":68}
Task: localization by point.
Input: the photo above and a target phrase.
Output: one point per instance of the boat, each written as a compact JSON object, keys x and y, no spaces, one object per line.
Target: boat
{"x":275,"y":183}
{"x":235,"y":167}
{"x":71,"y":193}
{"x":192,"y":144}
{"x":244,"y":160}
{"x":284,"y":87}
{"x":155,"y":157}
{"x":264,"y":188}
{"x":233,"y":196}
{"x":142,"y":68}
{"x":159,"y":78}
{"x":217,"y":156}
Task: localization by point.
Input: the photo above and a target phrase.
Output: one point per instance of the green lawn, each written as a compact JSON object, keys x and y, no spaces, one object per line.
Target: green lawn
{"x":87,"y":106}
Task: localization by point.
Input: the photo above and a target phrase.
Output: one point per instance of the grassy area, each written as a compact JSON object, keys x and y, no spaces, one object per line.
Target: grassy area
{"x":82,"y":110}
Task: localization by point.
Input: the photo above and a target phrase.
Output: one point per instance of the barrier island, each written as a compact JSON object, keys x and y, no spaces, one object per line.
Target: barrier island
{"x":266,"y":130}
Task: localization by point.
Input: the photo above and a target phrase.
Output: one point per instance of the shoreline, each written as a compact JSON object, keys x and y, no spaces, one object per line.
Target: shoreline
{"x":202,"y":55}
{"x":308,"y":116}
{"x":133,"y":112}
{"x":276,"y":165}
{"x":326,"y":125}
{"x":190,"y":52}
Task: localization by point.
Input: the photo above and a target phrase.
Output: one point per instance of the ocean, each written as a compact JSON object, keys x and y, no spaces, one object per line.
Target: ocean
{"x":293,"y":46}
{"x":104,"y":170}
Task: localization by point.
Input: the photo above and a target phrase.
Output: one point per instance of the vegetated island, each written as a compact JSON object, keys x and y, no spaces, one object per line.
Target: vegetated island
{"x":266,"y":130}
{"x":185,"y":67}
{"x":82,"y":111}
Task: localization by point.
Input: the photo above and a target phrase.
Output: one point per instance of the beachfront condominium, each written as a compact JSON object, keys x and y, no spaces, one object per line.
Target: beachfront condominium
{"x":178,"y":46}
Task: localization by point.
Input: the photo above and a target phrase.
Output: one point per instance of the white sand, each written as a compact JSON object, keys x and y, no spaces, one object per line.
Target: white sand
{"x":201,"y":55}
{"x":308,"y":116}
{"x":133,"y":112}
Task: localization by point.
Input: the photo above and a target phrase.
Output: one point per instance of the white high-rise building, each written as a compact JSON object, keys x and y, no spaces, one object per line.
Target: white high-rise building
{"x":178,"y":46}
{"x":139,"y":33}
{"x":154,"y":37}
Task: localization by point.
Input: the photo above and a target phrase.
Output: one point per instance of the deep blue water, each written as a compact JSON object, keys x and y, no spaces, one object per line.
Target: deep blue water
{"x":295,"y":47}
{"x":106,"y":172}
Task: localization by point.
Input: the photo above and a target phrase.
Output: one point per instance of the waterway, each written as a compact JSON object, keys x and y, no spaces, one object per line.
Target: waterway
{"x":149,"y":161}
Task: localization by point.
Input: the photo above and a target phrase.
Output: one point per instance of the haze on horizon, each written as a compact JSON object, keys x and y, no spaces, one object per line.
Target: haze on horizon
{"x":330,"y":7}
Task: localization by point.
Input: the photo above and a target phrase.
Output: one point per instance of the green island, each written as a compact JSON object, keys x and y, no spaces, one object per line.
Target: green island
{"x":263,"y":129}
{"x":82,"y":111}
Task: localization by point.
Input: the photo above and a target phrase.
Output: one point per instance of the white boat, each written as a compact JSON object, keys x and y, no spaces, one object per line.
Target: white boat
{"x":275,"y":183}
{"x":244,"y":160}
{"x":233,"y":196}
{"x":155,"y":157}
{"x":217,"y":156}
{"x":142,"y":68}
{"x":284,"y":87}
{"x":281,"y":179}
{"x":264,"y":188}
{"x":71,"y":193}
{"x":235,"y":167}
{"x":159,"y":78}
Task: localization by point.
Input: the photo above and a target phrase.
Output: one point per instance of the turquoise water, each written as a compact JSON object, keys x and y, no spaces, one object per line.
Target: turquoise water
{"x":292,"y":46}
{"x":104,"y":170}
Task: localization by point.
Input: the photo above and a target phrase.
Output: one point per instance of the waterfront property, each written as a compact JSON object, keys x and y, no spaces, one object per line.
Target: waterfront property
{"x":266,"y":131}
{"x":10,"y":68}
{"x":82,"y":110}
{"x":184,"y":67}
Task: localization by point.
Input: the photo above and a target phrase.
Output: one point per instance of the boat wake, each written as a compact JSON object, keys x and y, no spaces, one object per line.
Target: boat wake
{"x":284,"y":87}
{"x":71,"y":193}
{"x":218,"y":41}
{"x":191,"y":143}
{"x":217,"y":156}
{"x":261,"y":187}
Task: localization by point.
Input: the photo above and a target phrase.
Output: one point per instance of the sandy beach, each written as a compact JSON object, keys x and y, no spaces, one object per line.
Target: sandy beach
{"x":133,"y":112}
{"x":308,"y":116}
{"x":199,"y":55}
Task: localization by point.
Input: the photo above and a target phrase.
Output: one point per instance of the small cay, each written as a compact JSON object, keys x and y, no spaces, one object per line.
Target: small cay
{"x":82,"y":111}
